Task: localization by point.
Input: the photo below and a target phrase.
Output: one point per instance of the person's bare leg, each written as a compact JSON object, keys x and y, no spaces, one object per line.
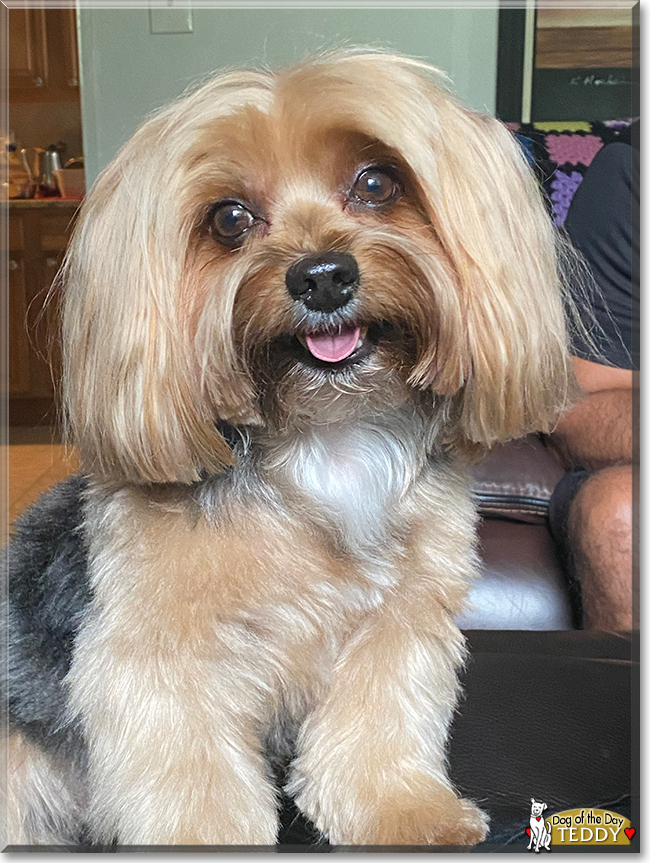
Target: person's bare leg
{"x":600,"y":528}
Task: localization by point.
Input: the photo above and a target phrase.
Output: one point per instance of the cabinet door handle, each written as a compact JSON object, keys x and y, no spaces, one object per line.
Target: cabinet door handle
{"x":13,"y":265}
{"x":73,"y":82}
{"x":51,"y":262}
{"x":38,"y":81}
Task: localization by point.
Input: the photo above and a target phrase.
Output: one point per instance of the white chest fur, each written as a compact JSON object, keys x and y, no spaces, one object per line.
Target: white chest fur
{"x":356,"y":474}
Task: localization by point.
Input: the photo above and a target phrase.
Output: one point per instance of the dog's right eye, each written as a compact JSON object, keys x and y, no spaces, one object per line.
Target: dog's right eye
{"x":229,"y":222}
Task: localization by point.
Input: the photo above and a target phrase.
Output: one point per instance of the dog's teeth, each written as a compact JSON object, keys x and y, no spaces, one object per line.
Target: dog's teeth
{"x":359,"y":344}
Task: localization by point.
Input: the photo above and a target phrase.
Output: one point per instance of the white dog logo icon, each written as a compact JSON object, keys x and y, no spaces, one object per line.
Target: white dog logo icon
{"x":540,"y":831}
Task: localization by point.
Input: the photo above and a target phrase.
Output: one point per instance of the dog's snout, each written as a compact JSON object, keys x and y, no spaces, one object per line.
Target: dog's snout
{"x":323,"y":282}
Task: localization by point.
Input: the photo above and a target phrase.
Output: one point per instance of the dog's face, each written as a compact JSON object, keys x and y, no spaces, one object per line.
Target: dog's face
{"x":306,"y":248}
{"x":324,"y":235}
{"x":536,"y":809}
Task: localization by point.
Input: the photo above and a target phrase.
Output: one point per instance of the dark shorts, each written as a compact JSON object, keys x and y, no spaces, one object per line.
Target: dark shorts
{"x":558,"y":521}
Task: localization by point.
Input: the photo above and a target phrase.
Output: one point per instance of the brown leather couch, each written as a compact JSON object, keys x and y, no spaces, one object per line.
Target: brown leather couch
{"x":551,"y":714}
{"x":523,"y":585}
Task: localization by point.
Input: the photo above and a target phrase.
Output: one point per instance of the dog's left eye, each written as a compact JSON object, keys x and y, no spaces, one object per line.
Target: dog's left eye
{"x":229,"y":221}
{"x":376,"y":186}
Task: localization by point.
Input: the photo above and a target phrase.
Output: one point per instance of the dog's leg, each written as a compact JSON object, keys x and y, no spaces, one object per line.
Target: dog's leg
{"x":371,"y":758}
{"x":171,"y":696}
{"x":174,"y":757}
{"x":44,"y":797}
{"x":371,"y":765}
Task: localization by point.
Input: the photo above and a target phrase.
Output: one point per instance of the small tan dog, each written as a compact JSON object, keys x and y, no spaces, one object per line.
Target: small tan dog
{"x":294,"y":303}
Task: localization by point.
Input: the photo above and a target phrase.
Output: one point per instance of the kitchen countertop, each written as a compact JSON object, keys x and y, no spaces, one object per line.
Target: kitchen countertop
{"x":36,"y":203}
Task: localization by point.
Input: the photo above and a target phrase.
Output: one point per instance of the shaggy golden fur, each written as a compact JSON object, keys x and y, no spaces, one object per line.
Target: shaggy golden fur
{"x":279,"y":542}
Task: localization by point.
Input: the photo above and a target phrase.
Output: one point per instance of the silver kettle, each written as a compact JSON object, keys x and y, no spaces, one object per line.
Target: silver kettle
{"x":43,"y":167}
{"x":48,"y":184}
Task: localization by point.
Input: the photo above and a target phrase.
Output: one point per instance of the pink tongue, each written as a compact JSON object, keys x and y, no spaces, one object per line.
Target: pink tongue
{"x":333,"y":348}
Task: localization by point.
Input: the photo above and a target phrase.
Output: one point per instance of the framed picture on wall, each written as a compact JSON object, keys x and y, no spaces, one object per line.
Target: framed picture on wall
{"x":561,"y":63}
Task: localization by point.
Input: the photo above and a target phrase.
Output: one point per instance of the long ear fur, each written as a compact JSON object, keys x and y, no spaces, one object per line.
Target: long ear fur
{"x":490,"y":217}
{"x":134,"y":391}
{"x":516,"y":376}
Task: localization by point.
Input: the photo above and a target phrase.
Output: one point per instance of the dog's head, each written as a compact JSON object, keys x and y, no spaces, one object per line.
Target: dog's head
{"x":299,"y":247}
{"x":537,"y":807}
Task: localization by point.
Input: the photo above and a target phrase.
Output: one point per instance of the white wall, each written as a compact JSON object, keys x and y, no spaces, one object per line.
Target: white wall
{"x":126,"y":71}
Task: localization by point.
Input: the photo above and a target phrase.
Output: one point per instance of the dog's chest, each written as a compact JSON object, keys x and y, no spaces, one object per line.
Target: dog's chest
{"x":353,"y":476}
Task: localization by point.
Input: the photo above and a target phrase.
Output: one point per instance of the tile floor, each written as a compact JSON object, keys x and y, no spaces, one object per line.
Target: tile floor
{"x":34,"y":460}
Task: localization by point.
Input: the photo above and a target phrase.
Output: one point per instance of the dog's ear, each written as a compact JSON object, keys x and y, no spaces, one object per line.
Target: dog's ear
{"x":544,"y":806}
{"x":502,"y":340}
{"x":138,"y":401}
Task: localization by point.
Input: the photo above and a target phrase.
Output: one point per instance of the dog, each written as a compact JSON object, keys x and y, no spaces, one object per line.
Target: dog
{"x":540,"y":831}
{"x":296,"y":305}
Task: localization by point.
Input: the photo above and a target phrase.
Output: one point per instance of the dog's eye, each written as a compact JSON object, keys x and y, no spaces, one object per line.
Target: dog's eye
{"x":230,"y":221}
{"x":376,"y":186}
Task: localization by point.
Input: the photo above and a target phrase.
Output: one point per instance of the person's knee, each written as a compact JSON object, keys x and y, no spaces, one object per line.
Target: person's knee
{"x":603,"y":506}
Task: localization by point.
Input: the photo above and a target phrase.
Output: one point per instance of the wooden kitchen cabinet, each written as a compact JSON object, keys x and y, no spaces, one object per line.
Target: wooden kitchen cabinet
{"x":43,"y":57}
{"x":18,"y":348}
{"x":38,"y":235}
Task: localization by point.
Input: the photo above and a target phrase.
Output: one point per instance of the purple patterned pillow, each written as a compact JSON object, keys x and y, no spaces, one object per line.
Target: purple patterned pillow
{"x":561,"y":154}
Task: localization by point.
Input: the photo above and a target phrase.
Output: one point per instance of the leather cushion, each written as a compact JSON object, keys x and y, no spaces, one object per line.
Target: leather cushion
{"x":522,"y":584}
{"x":550,"y":716}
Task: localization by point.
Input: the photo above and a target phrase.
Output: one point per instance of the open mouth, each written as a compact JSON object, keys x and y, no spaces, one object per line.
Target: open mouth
{"x":347,"y":344}
{"x":338,"y":347}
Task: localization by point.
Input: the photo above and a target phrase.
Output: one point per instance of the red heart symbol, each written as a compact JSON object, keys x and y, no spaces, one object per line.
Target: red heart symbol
{"x":539,"y":817}
{"x":629,"y":832}
{"x":528,"y":830}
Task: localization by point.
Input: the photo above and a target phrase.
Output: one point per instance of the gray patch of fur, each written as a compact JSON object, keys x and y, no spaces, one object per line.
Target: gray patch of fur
{"x":47,"y":593}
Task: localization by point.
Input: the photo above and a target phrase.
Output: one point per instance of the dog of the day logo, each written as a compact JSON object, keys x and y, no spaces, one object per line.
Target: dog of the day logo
{"x":539,"y":830}
{"x":577,"y":827}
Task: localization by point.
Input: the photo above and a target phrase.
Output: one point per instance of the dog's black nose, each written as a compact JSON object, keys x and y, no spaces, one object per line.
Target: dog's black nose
{"x":324,"y":282}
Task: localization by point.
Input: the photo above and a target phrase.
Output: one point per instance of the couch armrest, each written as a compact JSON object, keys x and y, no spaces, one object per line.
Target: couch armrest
{"x":516,"y":480}
{"x":523,"y":585}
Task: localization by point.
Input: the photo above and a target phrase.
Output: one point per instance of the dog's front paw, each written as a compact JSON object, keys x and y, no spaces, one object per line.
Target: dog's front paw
{"x":424,"y":812}
{"x":436,"y":819}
